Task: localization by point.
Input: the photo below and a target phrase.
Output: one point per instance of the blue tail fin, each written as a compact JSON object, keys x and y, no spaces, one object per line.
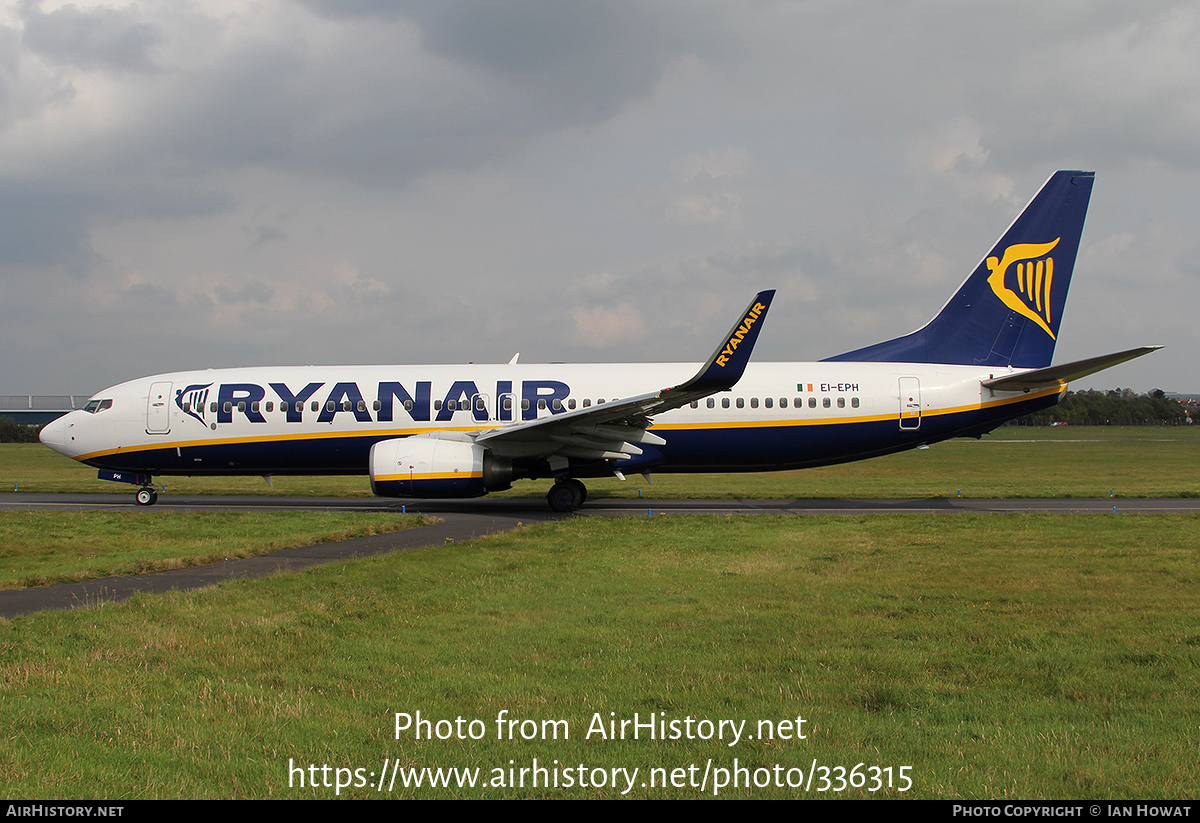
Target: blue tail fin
{"x":1007,"y":312}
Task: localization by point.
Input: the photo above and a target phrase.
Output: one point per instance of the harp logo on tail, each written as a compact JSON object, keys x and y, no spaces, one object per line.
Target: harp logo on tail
{"x":1027,"y":291}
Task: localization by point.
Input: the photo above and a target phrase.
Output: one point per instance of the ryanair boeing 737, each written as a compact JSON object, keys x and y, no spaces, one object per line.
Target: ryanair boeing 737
{"x":463,"y":431}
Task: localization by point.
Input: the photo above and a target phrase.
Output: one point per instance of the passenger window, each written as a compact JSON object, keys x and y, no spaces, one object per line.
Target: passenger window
{"x":437,"y":405}
{"x":586,"y":402}
{"x":452,"y":405}
{"x":841,"y":402}
{"x":825,"y":402}
{"x":695,"y":404}
{"x":186,"y":407}
{"x":524,"y":404}
{"x":408,"y":405}
{"x":329,"y":405}
{"x":712,"y":404}
{"x":347,"y":405}
{"x":812,"y":402}
{"x":212,"y":407}
{"x":754,"y":402}
{"x":362,"y":405}
{"x":507,"y":404}
{"x":741,"y":404}
{"x":542,"y":404}
{"x":724,"y":402}
{"x":854,"y":402}
{"x":557,"y":405}
{"x":270,"y":405}
{"x":228,"y":407}
{"x":769,"y":402}
{"x":316,"y":405}
{"x":571,"y":403}
{"x":479,"y":404}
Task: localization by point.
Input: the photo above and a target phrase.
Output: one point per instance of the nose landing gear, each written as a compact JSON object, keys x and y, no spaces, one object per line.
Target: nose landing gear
{"x":147,"y":495}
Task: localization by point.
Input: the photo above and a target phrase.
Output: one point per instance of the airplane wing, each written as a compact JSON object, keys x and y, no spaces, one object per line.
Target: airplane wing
{"x":613,"y":430}
{"x":1044,"y":378}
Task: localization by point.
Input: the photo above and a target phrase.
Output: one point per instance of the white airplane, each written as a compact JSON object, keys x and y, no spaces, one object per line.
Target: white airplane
{"x":466,"y":430}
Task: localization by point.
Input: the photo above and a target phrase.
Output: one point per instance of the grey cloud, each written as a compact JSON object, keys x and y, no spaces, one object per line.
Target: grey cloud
{"x":45,"y":223}
{"x":91,"y":38}
{"x":363,"y":98}
{"x":47,"y":219}
{"x":251,"y":291}
{"x":585,"y":60}
{"x":551,"y":64}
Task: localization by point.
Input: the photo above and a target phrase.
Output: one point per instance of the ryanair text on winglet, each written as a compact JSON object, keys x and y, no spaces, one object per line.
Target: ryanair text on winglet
{"x":741,"y":332}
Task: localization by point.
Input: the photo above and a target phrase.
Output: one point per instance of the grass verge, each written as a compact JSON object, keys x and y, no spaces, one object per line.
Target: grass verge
{"x":1021,"y":656}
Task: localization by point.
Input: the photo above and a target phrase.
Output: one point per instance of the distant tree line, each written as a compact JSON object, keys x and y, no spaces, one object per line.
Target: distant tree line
{"x":13,"y":432}
{"x":1116,"y":407}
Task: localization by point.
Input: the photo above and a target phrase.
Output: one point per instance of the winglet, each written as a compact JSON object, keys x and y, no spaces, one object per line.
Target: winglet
{"x":728,"y":362}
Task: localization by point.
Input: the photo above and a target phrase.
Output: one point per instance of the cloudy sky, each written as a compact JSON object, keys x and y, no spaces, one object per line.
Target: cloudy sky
{"x":194,"y":184}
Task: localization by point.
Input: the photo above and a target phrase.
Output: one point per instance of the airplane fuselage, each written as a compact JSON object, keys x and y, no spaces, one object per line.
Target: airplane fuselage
{"x":324,"y":420}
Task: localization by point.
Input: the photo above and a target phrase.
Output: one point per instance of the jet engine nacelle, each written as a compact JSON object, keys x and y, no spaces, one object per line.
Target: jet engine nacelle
{"x":436,"y":465}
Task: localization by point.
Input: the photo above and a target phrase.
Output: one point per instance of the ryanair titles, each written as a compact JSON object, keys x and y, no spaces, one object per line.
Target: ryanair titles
{"x":740,"y":333}
{"x":383,"y":402}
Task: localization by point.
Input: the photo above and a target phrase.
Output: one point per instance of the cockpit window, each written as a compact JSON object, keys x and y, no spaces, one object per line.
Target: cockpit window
{"x":94,"y":406}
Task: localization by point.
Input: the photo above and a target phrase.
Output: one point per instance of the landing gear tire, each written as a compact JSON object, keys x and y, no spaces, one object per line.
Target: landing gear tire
{"x":146,"y":497}
{"x":580,"y":489}
{"x":566,"y":495}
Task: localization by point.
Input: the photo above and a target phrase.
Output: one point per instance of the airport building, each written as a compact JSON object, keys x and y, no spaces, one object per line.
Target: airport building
{"x":39,"y":409}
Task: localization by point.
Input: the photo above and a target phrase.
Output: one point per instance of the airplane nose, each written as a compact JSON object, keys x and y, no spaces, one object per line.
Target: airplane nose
{"x":54,"y":435}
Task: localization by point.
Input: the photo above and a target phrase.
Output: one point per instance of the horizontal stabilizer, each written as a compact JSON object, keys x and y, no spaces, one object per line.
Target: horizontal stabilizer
{"x":1042,"y":378}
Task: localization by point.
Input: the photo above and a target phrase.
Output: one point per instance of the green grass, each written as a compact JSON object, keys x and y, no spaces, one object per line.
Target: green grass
{"x":1012,"y":462}
{"x":41,"y":548}
{"x":1020,"y":656}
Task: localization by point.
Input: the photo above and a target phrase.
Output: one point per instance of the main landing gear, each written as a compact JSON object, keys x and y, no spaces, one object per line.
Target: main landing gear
{"x":146,"y":496}
{"x":566,"y":495}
